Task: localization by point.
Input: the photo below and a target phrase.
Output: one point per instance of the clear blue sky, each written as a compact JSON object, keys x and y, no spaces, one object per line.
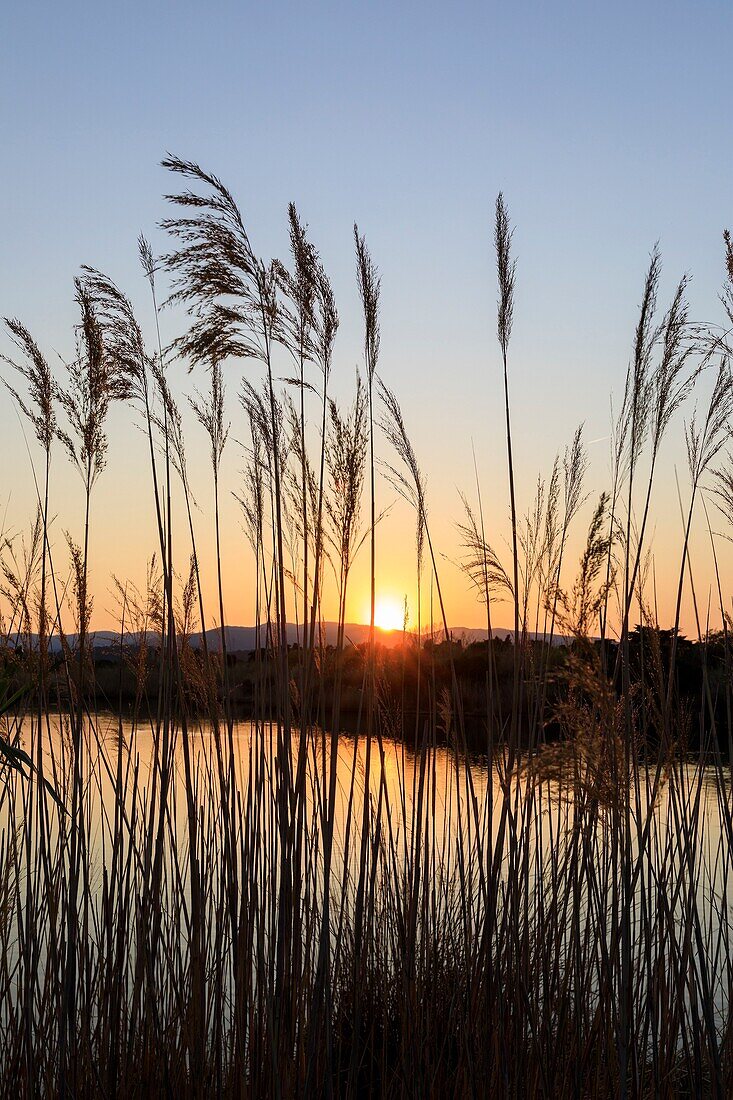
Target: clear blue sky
{"x":608,"y":126}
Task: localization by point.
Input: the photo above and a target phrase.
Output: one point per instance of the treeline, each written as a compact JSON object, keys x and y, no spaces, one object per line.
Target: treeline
{"x":126,"y":679}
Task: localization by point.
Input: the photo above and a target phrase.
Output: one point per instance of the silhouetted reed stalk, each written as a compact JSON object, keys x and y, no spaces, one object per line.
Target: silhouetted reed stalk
{"x":93,"y":384}
{"x":300,"y":289}
{"x":635,"y":416}
{"x":325,"y":336}
{"x":617,"y":454}
{"x":40,"y":412}
{"x":345,"y":456}
{"x":506,"y":272}
{"x":169,"y":654}
{"x":477,"y":539}
{"x":704,"y":443}
{"x":210,"y":414}
{"x":369,"y":285}
{"x":574,"y":468}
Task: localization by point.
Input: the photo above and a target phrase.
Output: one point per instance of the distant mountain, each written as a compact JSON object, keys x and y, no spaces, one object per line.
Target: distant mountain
{"x":243,"y":639}
{"x":100,"y":639}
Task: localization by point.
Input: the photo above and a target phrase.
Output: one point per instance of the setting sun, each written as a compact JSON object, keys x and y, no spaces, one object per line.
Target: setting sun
{"x":389,"y":614}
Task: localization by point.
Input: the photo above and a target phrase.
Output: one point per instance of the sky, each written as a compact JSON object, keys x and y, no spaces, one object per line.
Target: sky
{"x":606,"y":126}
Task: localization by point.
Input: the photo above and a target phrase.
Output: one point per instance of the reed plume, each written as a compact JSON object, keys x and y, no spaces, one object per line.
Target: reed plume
{"x":506,"y":273}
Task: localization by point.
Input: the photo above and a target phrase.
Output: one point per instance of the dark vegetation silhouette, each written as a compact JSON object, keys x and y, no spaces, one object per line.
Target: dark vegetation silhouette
{"x":499,"y":868}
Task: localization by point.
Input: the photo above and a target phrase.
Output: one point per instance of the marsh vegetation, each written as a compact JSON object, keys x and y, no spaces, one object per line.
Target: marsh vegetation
{"x":514,"y":885}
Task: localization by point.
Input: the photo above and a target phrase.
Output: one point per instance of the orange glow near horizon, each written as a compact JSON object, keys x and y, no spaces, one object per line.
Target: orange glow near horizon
{"x":389,"y":614}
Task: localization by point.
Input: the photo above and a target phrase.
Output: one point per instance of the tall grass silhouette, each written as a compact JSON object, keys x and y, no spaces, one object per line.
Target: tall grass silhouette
{"x":531,"y":903}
